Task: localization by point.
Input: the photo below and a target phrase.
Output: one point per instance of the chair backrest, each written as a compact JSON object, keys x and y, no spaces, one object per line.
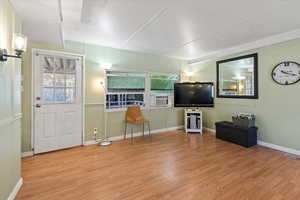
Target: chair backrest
{"x":134,"y":113}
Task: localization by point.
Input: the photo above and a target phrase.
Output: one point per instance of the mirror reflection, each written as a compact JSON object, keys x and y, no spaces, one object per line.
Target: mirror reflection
{"x":236,"y":77}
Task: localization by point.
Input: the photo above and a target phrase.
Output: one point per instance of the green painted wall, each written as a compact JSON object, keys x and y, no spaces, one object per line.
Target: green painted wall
{"x":121,"y":60}
{"x":10,"y":105}
{"x":277,"y":109}
{"x":94,"y":115}
{"x":277,"y":115}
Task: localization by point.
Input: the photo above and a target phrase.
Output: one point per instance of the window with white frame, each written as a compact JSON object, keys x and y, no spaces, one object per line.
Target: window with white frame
{"x":134,"y":89}
{"x":162,"y":89}
{"x":125,"y":89}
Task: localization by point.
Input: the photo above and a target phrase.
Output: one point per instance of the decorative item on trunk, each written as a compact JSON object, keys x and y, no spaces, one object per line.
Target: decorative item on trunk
{"x":244,"y":120}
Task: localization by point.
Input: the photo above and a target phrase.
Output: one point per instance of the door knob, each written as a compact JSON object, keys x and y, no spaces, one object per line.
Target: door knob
{"x":38,"y":105}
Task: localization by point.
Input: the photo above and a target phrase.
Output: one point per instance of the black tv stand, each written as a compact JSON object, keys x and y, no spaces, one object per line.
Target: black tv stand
{"x":227,"y":131}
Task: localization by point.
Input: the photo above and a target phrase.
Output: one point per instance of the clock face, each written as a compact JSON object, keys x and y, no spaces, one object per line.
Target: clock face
{"x":286,"y":73}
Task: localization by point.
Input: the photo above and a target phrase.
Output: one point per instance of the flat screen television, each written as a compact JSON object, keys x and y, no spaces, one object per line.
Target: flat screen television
{"x":194,"y":94}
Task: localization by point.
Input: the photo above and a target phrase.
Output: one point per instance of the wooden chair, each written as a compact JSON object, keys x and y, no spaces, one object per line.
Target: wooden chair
{"x":135,"y":116}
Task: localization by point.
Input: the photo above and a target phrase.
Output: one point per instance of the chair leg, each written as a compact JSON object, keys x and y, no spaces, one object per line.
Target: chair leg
{"x":131,"y":135}
{"x":125,"y":130}
{"x":143,"y":129}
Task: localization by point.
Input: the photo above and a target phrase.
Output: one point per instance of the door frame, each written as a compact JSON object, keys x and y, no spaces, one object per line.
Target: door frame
{"x":35,"y":51}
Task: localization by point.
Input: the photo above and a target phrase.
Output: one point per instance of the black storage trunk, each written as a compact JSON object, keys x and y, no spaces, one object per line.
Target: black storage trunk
{"x":227,"y":131}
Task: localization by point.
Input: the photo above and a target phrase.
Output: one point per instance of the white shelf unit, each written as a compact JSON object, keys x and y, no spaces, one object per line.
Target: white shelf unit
{"x":193,"y":120}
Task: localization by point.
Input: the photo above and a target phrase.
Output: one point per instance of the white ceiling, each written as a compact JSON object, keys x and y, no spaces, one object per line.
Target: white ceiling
{"x":190,"y":29}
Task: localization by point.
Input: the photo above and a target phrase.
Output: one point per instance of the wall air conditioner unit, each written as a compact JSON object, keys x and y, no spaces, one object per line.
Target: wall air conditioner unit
{"x":161,"y":100}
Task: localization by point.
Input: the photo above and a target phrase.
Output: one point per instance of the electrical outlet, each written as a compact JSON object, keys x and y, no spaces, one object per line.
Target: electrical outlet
{"x":95,"y":134}
{"x":95,"y":130}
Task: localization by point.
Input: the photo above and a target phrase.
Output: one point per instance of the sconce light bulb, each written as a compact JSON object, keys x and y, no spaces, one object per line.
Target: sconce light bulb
{"x":19,"y":43}
{"x":189,"y":73}
{"x":106,"y":65}
{"x":100,"y":83}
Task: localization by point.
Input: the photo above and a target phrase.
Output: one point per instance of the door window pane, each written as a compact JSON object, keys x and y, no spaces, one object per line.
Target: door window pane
{"x":48,"y":64}
{"x":59,"y":80}
{"x":48,"y":95}
{"x":70,"y":80}
{"x":48,"y":80}
{"x":70,"y":95}
{"x":70,"y":65}
{"x":60,"y":95}
{"x":59,"y":65}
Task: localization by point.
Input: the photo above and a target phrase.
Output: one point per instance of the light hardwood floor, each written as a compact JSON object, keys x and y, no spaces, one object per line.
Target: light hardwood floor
{"x":171,"y":167}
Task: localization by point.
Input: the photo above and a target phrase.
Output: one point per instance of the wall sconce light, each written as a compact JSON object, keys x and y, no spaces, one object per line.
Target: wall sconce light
{"x":233,"y":87}
{"x":106,"y":65}
{"x":189,"y":73}
{"x":19,"y":45}
{"x":100,"y":83}
{"x":241,"y":87}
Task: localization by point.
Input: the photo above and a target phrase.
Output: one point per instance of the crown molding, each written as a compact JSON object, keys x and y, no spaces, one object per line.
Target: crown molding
{"x":275,"y":39}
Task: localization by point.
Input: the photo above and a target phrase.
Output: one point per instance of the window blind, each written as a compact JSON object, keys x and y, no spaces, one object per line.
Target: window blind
{"x":118,"y":81}
{"x":163,"y":83}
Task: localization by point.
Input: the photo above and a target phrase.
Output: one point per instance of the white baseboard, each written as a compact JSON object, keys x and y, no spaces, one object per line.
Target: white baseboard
{"x":213,"y":131}
{"x":16,"y":189}
{"x":269,"y":145}
{"x":279,"y":148}
{"x":27,"y":154}
{"x":89,"y":142}
{"x":117,"y":138}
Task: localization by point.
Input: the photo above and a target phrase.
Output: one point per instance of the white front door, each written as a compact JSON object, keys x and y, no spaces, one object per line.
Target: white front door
{"x":57,"y":101}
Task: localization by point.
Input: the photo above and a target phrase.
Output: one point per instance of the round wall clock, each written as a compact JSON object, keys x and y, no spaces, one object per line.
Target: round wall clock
{"x":286,"y":73}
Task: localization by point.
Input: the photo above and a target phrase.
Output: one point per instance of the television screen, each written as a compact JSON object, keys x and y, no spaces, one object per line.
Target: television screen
{"x":194,"y":95}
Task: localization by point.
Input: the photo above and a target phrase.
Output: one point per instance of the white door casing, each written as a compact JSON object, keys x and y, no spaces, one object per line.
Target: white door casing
{"x":57,"y":101}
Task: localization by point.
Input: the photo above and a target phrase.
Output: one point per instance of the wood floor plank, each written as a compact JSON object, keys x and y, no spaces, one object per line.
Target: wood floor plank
{"x":173,"y":166}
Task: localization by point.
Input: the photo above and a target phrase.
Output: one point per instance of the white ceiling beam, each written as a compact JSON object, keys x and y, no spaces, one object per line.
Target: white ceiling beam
{"x":90,"y":10}
{"x":61,"y":32}
{"x":144,"y":25}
